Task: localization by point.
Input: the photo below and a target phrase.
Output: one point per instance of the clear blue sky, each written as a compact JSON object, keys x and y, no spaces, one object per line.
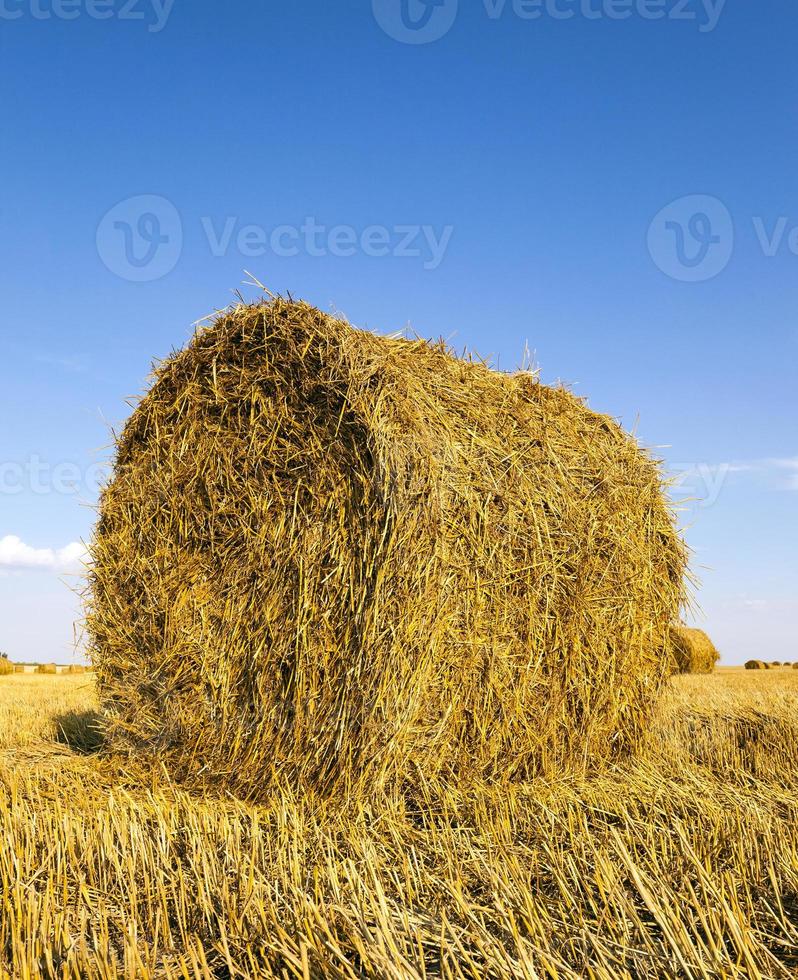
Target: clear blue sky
{"x":529,"y":153}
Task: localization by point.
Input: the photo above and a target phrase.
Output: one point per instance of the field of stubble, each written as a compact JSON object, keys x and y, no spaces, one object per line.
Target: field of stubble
{"x":682,"y":864}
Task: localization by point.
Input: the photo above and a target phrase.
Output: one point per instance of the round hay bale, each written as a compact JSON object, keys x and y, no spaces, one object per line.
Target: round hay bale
{"x":775,"y":663}
{"x":693,"y":651}
{"x":795,"y":666}
{"x":6,"y":667}
{"x":46,"y":669}
{"x":354,"y":561}
{"x":756,"y":665}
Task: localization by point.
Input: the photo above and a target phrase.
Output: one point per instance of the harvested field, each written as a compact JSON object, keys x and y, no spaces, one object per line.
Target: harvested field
{"x":681,"y":864}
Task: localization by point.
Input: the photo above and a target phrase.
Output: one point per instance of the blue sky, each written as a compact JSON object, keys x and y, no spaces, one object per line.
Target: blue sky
{"x":611,"y":182}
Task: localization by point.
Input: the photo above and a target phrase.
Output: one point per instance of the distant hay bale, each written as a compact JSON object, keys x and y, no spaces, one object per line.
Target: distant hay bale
{"x":693,"y":651}
{"x":795,"y":666}
{"x":75,"y":669}
{"x":756,"y":665}
{"x":353,"y":561}
{"x":6,"y":667}
{"x":46,"y":669}
{"x":775,"y":663}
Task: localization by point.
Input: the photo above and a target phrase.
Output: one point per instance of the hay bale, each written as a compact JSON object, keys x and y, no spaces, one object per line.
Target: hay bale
{"x":46,"y":669}
{"x":795,"y":666}
{"x":693,"y":651}
{"x":756,"y":665}
{"x":6,"y":667}
{"x":354,"y":561}
{"x":75,"y":669}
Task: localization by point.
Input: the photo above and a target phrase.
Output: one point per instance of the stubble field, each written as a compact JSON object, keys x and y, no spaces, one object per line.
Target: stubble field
{"x":682,"y":863}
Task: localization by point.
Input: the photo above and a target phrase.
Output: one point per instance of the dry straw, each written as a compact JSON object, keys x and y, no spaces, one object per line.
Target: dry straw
{"x":756,"y":665}
{"x":355,"y":562}
{"x":6,"y":667}
{"x":693,"y":651}
{"x":46,"y":669}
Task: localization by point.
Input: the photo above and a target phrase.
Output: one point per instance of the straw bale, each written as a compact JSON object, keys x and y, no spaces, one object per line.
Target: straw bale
{"x":354,"y":562}
{"x":693,"y":651}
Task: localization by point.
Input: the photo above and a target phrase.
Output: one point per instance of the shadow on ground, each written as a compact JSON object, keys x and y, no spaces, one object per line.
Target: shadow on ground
{"x":82,"y":731}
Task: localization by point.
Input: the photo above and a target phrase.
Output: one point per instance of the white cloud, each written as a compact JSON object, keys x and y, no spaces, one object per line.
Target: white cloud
{"x":76,"y":365}
{"x":760,"y":605}
{"x":15,"y":554}
{"x":704,"y":481}
{"x":791,"y":467}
